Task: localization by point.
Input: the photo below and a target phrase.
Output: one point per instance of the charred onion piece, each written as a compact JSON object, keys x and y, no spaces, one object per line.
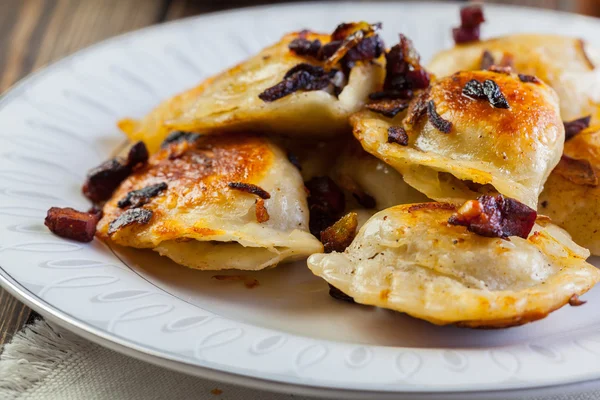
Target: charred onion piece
{"x":326,"y":203}
{"x":471,"y":17}
{"x":488,"y":90}
{"x":495,"y":216}
{"x":572,"y":128}
{"x":397,"y":134}
{"x":72,"y":224}
{"x":137,"y":198}
{"x":138,"y":154}
{"x":305,"y":47}
{"x":300,"y":77}
{"x":339,"y":295}
{"x":131,"y":216}
{"x":388,"y":108}
{"x":418,"y":108}
{"x":339,"y":236}
{"x":250,"y":188}
{"x":359,"y":41}
{"x":436,"y":120}
{"x":580,"y":172}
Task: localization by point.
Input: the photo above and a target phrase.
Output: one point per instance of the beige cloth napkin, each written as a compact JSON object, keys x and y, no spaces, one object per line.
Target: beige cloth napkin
{"x":46,"y":362}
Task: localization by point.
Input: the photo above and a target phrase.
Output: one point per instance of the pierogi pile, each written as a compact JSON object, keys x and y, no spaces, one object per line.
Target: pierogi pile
{"x":463,"y":192}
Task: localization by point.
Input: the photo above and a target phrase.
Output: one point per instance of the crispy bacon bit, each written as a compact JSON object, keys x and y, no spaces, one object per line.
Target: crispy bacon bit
{"x":262,"y":215}
{"x":436,"y":120}
{"x":495,"y":216}
{"x":305,"y":47}
{"x":178,"y":137}
{"x":248,"y":281}
{"x":326,"y":203}
{"x":388,"y":108}
{"x":339,"y":235}
{"x":397,"y":134}
{"x":575,"y":301}
{"x":403,"y":68}
{"x":102,"y":181}
{"x":418,"y":108}
{"x":580,"y":172}
{"x":572,"y":128}
{"x":139,"y":216}
{"x":137,"y":198}
{"x":339,"y":295}
{"x":471,"y":17}
{"x":138,"y":154}
{"x":301,"y":77}
{"x":250,"y":188}
{"x":581,"y":47}
{"x":97,"y":211}
{"x":294,"y":160}
{"x":357,"y":41}
{"x":488,"y":90}
{"x":528,"y":78}
{"x":487,"y":60}
{"x":72,"y":224}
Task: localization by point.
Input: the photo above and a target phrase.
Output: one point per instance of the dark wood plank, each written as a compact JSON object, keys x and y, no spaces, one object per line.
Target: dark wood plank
{"x":34,"y":33}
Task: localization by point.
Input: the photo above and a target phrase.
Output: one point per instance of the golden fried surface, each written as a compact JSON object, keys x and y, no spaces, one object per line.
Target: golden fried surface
{"x":567,"y":64}
{"x":509,"y":150}
{"x":573,"y":205}
{"x":229,"y":101}
{"x":409,"y":259}
{"x":199,"y":208}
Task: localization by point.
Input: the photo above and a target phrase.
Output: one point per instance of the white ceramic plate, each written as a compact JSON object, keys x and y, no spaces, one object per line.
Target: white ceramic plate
{"x":286,"y":334}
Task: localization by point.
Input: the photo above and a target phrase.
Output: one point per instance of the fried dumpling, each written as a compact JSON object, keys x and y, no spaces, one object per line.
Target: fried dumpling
{"x":408,"y":258}
{"x":230,"y":101}
{"x":471,"y":133}
{"x":567,"y":64}
{"x":214,"y":202}
{"x":372,"y":183}
{"x":571,"y":195}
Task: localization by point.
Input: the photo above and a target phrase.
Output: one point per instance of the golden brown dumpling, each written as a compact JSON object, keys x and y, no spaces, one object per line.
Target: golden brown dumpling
{"x":226,"y":202}
{"x":486,"y":149}
{"x":410,"y":259}
{"x":568,"y":65}
{"x":571,"y":195}
{"x":230,"y":102}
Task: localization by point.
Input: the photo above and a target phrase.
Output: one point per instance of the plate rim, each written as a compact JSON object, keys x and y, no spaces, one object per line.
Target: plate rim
{"x":130,"y":348}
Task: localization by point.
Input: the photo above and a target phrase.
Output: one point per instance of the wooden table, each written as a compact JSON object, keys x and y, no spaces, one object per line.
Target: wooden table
{"x":35,"y":33}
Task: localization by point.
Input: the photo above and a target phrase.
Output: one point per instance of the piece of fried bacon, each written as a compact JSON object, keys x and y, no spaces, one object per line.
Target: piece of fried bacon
{"x":102,"y":180}
{"x":580,"y":172}
{"x":471,"y":17}
{"x":72,"y":224}
{"x":572,"y":128}
{"x":495,"y":216}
